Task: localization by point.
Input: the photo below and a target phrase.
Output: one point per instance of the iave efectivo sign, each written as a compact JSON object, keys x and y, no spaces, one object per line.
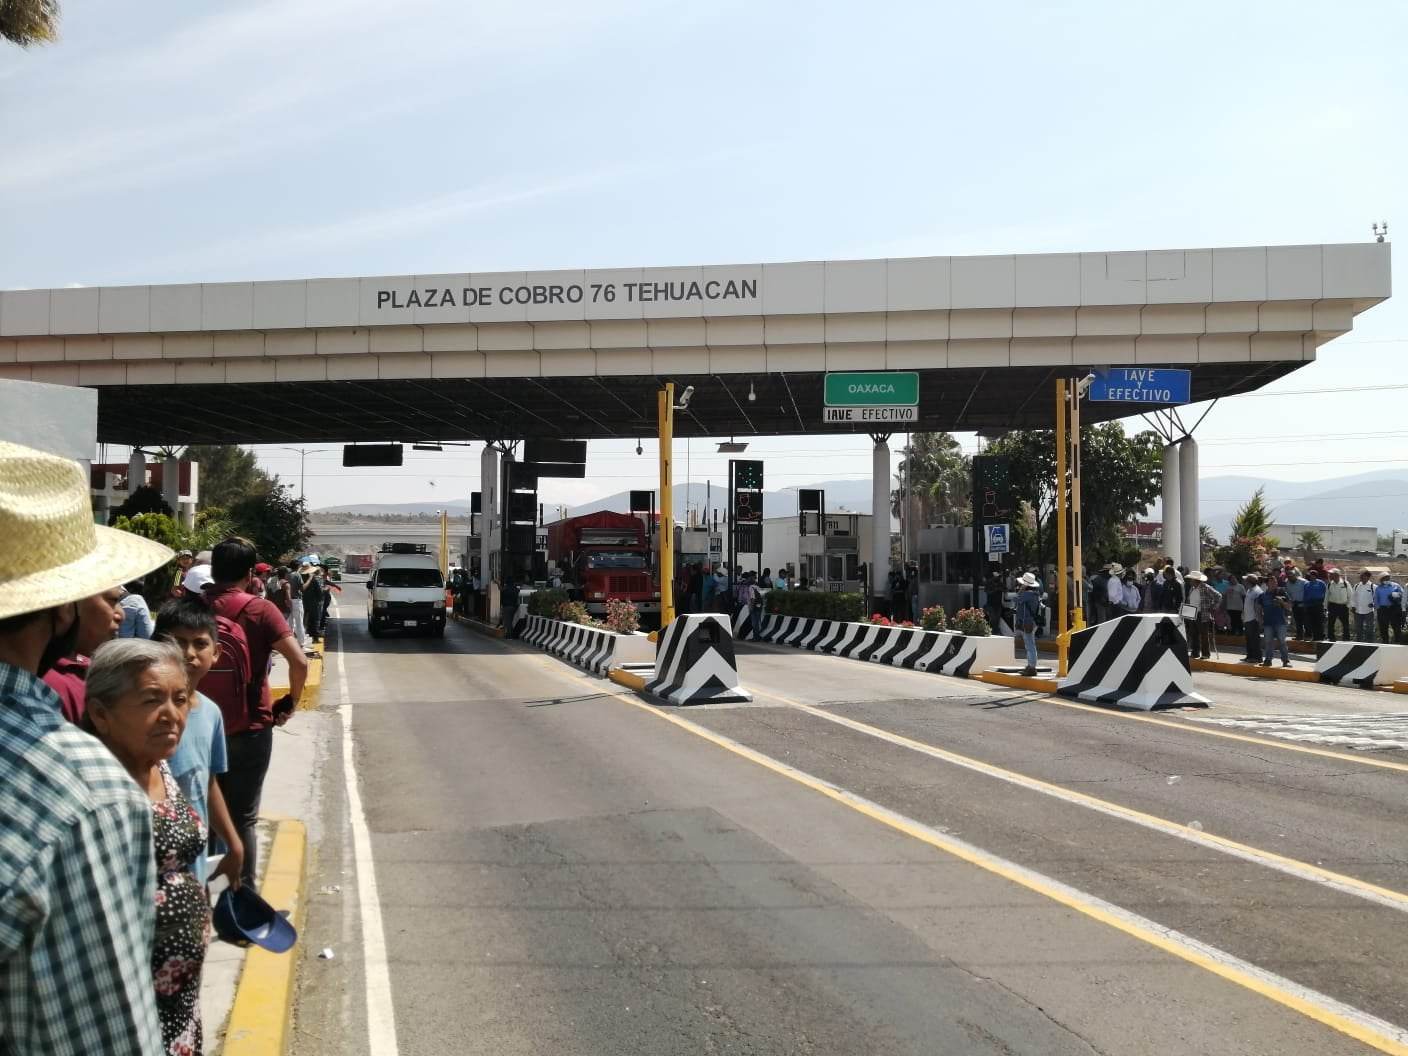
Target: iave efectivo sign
{"x":1141,"y":385}
{"x":872,"y":396}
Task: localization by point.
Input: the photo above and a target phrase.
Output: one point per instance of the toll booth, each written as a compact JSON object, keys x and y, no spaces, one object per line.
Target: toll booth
{"x":830,"y":559}
{"x":945,"y":559}
{"x":697,"y":544}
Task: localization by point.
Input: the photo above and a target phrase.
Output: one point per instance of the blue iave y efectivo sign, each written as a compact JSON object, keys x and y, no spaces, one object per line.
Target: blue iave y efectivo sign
{"x":1141,"y":385}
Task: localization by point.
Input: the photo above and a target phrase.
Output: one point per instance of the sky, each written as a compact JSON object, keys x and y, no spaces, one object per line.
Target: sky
{"x":174,"y":142}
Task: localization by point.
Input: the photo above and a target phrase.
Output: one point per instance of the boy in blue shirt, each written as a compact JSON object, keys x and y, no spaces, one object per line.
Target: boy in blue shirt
{"x":189,"y":624}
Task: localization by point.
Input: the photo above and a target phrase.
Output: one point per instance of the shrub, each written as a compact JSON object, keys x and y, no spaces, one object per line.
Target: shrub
{"x":972,"y":622}
{"x":622,"y":616}
{"x":573,"y":612}
{"x":816,"y":604}
{"x":934,"y":618}
{"x":878,"y":620}
{"x":546,"y":602}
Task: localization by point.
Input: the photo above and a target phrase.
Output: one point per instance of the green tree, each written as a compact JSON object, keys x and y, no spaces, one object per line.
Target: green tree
{"x":1253,"y":517}
{"x":1310,"y":542}
{"x":940,"y":478}
{"x":26,"y":22}
{"x":274,"y":520}
{"x":228,"y":473}
{"x":1120,"y":477}
{"x":145,"y":499}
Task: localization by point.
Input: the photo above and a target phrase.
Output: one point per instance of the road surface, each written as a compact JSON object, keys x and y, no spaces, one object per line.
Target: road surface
{"x":862,"y":861}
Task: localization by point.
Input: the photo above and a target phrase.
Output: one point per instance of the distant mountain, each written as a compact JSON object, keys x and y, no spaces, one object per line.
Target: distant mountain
{"x":457,"y":507}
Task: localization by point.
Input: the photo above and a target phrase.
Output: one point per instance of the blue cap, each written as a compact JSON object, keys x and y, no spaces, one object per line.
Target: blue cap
{"x":242,"y":917}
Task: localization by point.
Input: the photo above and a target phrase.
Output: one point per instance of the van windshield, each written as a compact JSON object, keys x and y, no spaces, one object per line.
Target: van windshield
{"x":409,"y":577}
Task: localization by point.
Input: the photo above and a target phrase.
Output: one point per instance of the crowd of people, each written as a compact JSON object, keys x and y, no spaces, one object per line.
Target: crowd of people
{"x":136,"y":729}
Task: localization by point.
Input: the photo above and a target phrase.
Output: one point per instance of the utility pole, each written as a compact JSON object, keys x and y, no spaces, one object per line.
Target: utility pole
{"x":303,"y":453}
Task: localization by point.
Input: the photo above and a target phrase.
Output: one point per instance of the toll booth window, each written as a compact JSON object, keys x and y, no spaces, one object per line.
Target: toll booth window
{"x":853,"y":566}
{"x":409,"y":577}
{"x":835,"y":570}
{"x":960,"y":568}
{"x":611,"y":559}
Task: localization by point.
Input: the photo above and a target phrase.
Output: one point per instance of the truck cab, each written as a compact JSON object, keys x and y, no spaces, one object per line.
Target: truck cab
{"x":405,"y":591}
{"x":606,"y":555}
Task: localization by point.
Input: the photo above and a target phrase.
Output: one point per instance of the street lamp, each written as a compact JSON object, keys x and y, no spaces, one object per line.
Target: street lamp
{"x":302,"y":453}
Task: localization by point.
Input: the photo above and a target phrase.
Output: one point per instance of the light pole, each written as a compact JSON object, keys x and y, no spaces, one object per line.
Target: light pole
{"x":302,"y":453}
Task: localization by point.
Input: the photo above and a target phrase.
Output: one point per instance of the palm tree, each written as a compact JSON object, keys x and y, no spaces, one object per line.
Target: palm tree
{"x":26,"y":22}
{"x":940,"y":476}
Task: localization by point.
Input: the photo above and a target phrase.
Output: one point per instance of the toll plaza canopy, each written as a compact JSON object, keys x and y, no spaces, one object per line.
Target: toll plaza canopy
{"x":582,"y":353}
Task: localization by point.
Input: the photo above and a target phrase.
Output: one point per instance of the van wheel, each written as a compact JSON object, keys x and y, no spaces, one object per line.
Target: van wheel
{"x":439,"y":631}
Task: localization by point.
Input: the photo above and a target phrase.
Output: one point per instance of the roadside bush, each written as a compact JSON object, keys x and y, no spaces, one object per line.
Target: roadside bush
{"x":934,"y":618}
{"x":816,"y":604}
{"x":972,"y":622}
{"x":622,"y":616}
{"x":546,"y":602}
{"x":573,"y":612}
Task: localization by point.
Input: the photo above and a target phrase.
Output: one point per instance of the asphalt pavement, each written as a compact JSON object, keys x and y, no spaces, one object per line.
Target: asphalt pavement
{"x":863,"y":860}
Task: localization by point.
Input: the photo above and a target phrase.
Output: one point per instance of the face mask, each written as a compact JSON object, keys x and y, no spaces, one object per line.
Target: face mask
{"x":60,"y":645}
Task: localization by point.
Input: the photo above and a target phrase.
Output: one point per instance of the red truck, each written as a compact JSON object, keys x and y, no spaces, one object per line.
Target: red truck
{"x":357,"y":564}
{"x":605,"y":555}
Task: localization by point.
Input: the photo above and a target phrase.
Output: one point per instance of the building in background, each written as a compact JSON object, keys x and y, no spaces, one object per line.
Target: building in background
{"x":1334,"y":538}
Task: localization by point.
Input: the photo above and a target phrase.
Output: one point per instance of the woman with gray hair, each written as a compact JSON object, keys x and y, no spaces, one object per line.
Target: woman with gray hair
{"x":138,"y":698}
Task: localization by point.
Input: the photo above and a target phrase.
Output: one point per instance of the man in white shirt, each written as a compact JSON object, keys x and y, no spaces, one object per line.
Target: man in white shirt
{"x":1132,"y":595}
{"x":1251,"y":624}
{"x":1114,"y":592}
{"x":1363,"y":604}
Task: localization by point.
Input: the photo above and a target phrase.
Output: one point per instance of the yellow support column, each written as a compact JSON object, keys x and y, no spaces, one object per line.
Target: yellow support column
{"x":444,"y":543}
{"x":1077,"y":560}
{"x":667,"y":521}
{"x":1062,"y":595}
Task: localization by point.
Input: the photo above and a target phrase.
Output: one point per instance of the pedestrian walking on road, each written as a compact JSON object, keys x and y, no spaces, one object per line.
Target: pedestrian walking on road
{"x":1338,"y":597}
{"x":78,"y":878}
{"x":1028,"y":614}
{"x":313,"y":605}
{"x":138,"y":699}
{"x":1388,"y":604}
{"x":1273,"y":610}
{"x":295,"y":604}
{"x":1363,"y":603}
{"x":1251,"y":616}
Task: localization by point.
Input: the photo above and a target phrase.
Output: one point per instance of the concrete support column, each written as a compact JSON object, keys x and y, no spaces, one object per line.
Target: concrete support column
{"x":1173,"y":518}
{"x":880,"y":519}
{"x":1190,"y":553}
{"x":171,"y":483}
{"x":136,"y":471}
{"x":489,"y":526}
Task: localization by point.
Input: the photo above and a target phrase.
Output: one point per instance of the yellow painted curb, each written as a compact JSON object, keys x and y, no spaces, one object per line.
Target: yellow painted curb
{"x":626,"y":678}
{"x":654,"y":636}
{"x":262,"y":1017}
{"x":1232,"y":667}
{"x":312,"y":687}
{"x":1011,"y":681}
{"x":1401,"y":686}
{"x":478,"y":625}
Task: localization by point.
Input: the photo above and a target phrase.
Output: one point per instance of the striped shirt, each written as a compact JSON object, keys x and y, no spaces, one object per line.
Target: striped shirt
{"x":77,"y":887}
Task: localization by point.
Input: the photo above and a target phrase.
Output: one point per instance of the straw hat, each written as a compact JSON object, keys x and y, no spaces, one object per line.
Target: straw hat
{"x":1115,"y":568}
{"x":1196,"y":576}
{"x":1027,"y":580}
{"x":53,"y":551}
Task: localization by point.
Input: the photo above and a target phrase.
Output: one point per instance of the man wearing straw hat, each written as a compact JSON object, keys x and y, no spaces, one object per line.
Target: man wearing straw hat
{"x":77,"y":872}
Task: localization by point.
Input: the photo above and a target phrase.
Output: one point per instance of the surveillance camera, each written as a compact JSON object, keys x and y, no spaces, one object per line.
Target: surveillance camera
{"x":1083,"y":386}
{"x":684,"y":398}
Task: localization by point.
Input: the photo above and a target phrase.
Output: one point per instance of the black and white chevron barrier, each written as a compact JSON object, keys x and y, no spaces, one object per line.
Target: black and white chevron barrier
{"x":945,"y":652}
{"x":594,"y":648}
{"x":1136,"y":662}
{"x":694,"y":662}
{"x":1363,"y":664}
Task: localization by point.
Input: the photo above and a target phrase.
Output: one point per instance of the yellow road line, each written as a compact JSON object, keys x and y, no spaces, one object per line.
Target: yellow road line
{"x":262,"y":1014}
{"x":1269,"y":859}
{"x":1352,"y":1022}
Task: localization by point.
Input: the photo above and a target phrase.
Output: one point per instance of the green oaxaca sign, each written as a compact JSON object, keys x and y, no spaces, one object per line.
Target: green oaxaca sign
{"x":872,"y":396}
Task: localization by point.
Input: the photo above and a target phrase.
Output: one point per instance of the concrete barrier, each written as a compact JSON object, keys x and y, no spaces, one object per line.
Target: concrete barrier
{"x":695,"y":664}
{"x":594,"y":648}
{"x":946,"y":652}
{"x":1133,"y":662}
{"x":1363,"y":664}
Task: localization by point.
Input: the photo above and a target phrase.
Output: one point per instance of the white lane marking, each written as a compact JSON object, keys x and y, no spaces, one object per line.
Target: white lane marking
{"x":1270,"y":860}
{"x":381,"y":1016}
{"x":1373,"y":731}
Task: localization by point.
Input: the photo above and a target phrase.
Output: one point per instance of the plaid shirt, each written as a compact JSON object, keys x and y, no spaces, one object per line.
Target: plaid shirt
{"x":77,"y":887}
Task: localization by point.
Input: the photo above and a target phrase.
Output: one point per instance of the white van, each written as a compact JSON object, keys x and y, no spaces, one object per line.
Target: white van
{"x":406,"y":591}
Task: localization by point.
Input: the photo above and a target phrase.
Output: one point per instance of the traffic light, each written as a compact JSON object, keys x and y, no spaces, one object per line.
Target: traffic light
{"x":993,"y":501}
{"x":747,"y":507}
{"x":748,"y":474}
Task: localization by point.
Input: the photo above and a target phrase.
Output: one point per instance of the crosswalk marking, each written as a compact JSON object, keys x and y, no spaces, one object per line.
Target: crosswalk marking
{"x":1367,"y":731}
